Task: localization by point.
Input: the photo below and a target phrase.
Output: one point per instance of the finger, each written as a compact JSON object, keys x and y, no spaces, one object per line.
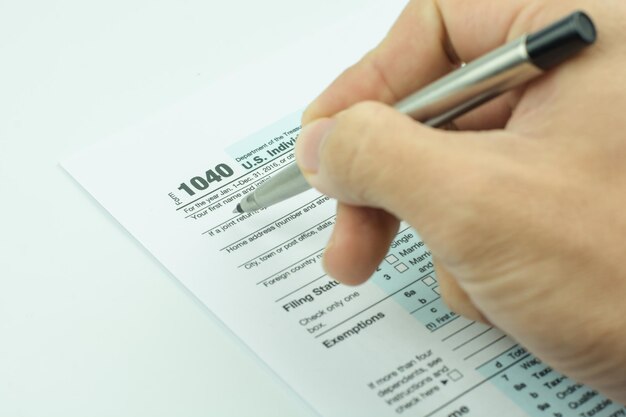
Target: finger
{"x":454,"y":296}
{"x":427,"y":41}
{"x":359,"y":242}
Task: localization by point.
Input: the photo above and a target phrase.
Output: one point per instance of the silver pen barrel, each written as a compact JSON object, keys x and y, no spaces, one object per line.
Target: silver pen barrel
{"x":471,"y":85}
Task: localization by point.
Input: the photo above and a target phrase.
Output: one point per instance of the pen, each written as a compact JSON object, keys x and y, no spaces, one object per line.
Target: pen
{"x":460,"y":91}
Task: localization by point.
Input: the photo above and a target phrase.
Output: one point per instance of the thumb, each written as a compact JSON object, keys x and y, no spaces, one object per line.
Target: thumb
{"x":372,"y":155}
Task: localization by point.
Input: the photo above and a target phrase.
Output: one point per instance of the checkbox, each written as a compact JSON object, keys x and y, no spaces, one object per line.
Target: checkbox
{"x":428,"y":281}
{"x":401,"y":267}
{"x":455,"y":375}
{"x":391,"y":259}
{"x":436,"y":289}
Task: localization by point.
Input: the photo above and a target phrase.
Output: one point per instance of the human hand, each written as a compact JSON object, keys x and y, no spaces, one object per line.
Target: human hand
{"x":523,"y":209}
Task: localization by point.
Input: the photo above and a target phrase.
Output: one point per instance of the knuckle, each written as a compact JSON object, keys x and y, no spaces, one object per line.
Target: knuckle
{"x":366,"y":109}
{"x":354,"y":149}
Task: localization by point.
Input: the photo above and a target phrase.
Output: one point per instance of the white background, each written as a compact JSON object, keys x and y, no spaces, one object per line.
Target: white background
{"x":90,"y":323}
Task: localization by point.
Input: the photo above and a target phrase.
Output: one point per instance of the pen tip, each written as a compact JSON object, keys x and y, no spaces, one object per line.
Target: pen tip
{"x":238,"y":209}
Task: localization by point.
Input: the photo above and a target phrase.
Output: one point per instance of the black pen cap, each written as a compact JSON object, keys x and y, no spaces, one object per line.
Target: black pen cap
{"x":562,"y":39}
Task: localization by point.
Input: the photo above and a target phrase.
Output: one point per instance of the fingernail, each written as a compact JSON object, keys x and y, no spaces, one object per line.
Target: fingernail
{"x":309,"y":143}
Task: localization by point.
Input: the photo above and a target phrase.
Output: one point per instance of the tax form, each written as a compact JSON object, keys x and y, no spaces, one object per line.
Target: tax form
{"x":386,"y":348}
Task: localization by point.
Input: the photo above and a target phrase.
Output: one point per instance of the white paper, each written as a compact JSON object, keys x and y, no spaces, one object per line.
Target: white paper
{"x":388,"y":347}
